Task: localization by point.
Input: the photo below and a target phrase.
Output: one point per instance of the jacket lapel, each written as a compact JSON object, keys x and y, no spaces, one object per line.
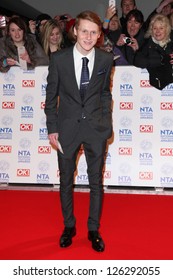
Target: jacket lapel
{"x":71,"y":69}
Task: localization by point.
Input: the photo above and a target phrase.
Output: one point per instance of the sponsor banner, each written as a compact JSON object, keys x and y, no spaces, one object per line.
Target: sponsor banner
{"x":139,"y":153}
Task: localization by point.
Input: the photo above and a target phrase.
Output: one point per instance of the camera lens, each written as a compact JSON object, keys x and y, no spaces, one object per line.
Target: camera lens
{"x":37,"y":23}
{"x":128,"y":41}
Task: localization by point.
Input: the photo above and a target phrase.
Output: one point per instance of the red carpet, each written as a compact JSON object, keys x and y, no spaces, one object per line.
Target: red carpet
{"x":133,"y":227}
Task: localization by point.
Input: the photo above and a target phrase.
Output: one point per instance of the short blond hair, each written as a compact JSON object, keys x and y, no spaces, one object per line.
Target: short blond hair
{"x":163,"y":20}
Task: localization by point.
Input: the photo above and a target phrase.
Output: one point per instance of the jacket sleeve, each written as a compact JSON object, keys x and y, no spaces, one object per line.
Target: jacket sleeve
{"x":41,"y":58}
{"x":3,"y":66}
{"x":147,"y":57}
{"x":51,"y":102}
{"x":106,"y":96}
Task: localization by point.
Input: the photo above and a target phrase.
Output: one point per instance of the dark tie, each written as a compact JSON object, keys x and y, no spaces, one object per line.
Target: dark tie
{"x":84,"y":77}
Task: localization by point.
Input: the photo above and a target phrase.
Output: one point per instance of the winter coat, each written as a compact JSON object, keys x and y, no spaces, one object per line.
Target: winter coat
{"x":156,"y":60}
{"x":35,"y":52}
{"x":128,"y":51}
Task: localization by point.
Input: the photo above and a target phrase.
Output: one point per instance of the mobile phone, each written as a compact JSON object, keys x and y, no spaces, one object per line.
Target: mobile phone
{"x":112,"y":3}
{"x":23,"y":63}
{"x":2,"y":21}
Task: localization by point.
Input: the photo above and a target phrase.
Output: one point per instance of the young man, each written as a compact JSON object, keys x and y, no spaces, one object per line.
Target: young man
{"x":80,"y":119}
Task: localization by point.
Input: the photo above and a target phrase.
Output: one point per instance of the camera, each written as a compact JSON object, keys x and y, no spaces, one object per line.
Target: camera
{"x":127,"y":40}
{"x":63,"y":17}
{"x":37,"y":23}
{"x":112,"y":3}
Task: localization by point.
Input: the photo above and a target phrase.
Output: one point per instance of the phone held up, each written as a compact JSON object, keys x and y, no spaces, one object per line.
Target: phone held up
{"x":112,"y":3}
{"x":22,"y":63}
{"x":2,"y":21}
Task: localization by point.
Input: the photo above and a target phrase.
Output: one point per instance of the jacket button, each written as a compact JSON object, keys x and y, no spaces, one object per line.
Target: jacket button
{"x":83,"y":105}
{"x":78,"y":121}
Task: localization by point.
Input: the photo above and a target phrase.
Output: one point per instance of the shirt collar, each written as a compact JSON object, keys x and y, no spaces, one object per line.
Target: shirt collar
{"x":90,"y":56}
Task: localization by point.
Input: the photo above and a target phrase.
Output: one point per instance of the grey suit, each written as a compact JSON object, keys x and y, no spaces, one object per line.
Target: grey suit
{"x":88,"y":123}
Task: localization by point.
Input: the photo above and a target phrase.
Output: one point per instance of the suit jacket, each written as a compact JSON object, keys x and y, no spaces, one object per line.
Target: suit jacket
{"x":64,"y":117}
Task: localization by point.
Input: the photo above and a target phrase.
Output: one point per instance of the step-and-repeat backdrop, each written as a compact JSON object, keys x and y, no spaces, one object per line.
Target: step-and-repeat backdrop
{"x":139,"y":154}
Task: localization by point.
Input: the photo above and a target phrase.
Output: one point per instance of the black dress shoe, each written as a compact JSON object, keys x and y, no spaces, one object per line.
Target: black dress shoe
{"x":66,"y":237}
{"x":97,"y":242}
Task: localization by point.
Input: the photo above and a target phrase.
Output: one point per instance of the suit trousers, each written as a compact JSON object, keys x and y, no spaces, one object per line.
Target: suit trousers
{"x":94,"y":147}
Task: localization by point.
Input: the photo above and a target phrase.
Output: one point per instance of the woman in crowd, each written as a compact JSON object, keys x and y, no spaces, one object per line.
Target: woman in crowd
{"x":130,"y":41}
{"x":111,"y":24}
{"x":111,"y":30}
{"x":156,"y":54}
{"x":107,"y":45}
{"x":17,"y":36}
{"x":51,"y":38}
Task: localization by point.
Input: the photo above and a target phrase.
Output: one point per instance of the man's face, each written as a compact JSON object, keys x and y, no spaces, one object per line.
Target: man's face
{"x":87,"y":34}
{"x":166,"y":10}
{"x":127,"y":6}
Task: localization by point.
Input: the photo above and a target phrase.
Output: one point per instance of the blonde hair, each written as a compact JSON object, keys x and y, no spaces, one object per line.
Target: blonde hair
{"x":47,"y":30}
{"x":164,"y":21}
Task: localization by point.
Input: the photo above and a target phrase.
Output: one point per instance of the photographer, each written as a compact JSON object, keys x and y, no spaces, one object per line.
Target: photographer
{"x":130,"y":42}
{"x":36,"y":26}
{"x":63,"y":21}
{"x":111,"y":24}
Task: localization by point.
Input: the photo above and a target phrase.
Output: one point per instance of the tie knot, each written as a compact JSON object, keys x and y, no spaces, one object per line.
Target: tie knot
{"x":85,"y":61}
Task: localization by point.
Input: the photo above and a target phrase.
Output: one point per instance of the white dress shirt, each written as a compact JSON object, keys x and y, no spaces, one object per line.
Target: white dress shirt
{"x":78,"y":63}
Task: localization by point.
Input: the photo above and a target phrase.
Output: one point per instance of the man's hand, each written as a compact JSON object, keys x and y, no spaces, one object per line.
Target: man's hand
{"x":53,"y":139}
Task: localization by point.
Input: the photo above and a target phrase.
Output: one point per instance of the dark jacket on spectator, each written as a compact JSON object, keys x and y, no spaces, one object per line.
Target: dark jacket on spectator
{"x":156,"y":60}
{"x":127,"y":51}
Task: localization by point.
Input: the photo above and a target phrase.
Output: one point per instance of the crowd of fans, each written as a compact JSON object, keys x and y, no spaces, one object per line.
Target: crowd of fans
{"x":145,"y":43}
